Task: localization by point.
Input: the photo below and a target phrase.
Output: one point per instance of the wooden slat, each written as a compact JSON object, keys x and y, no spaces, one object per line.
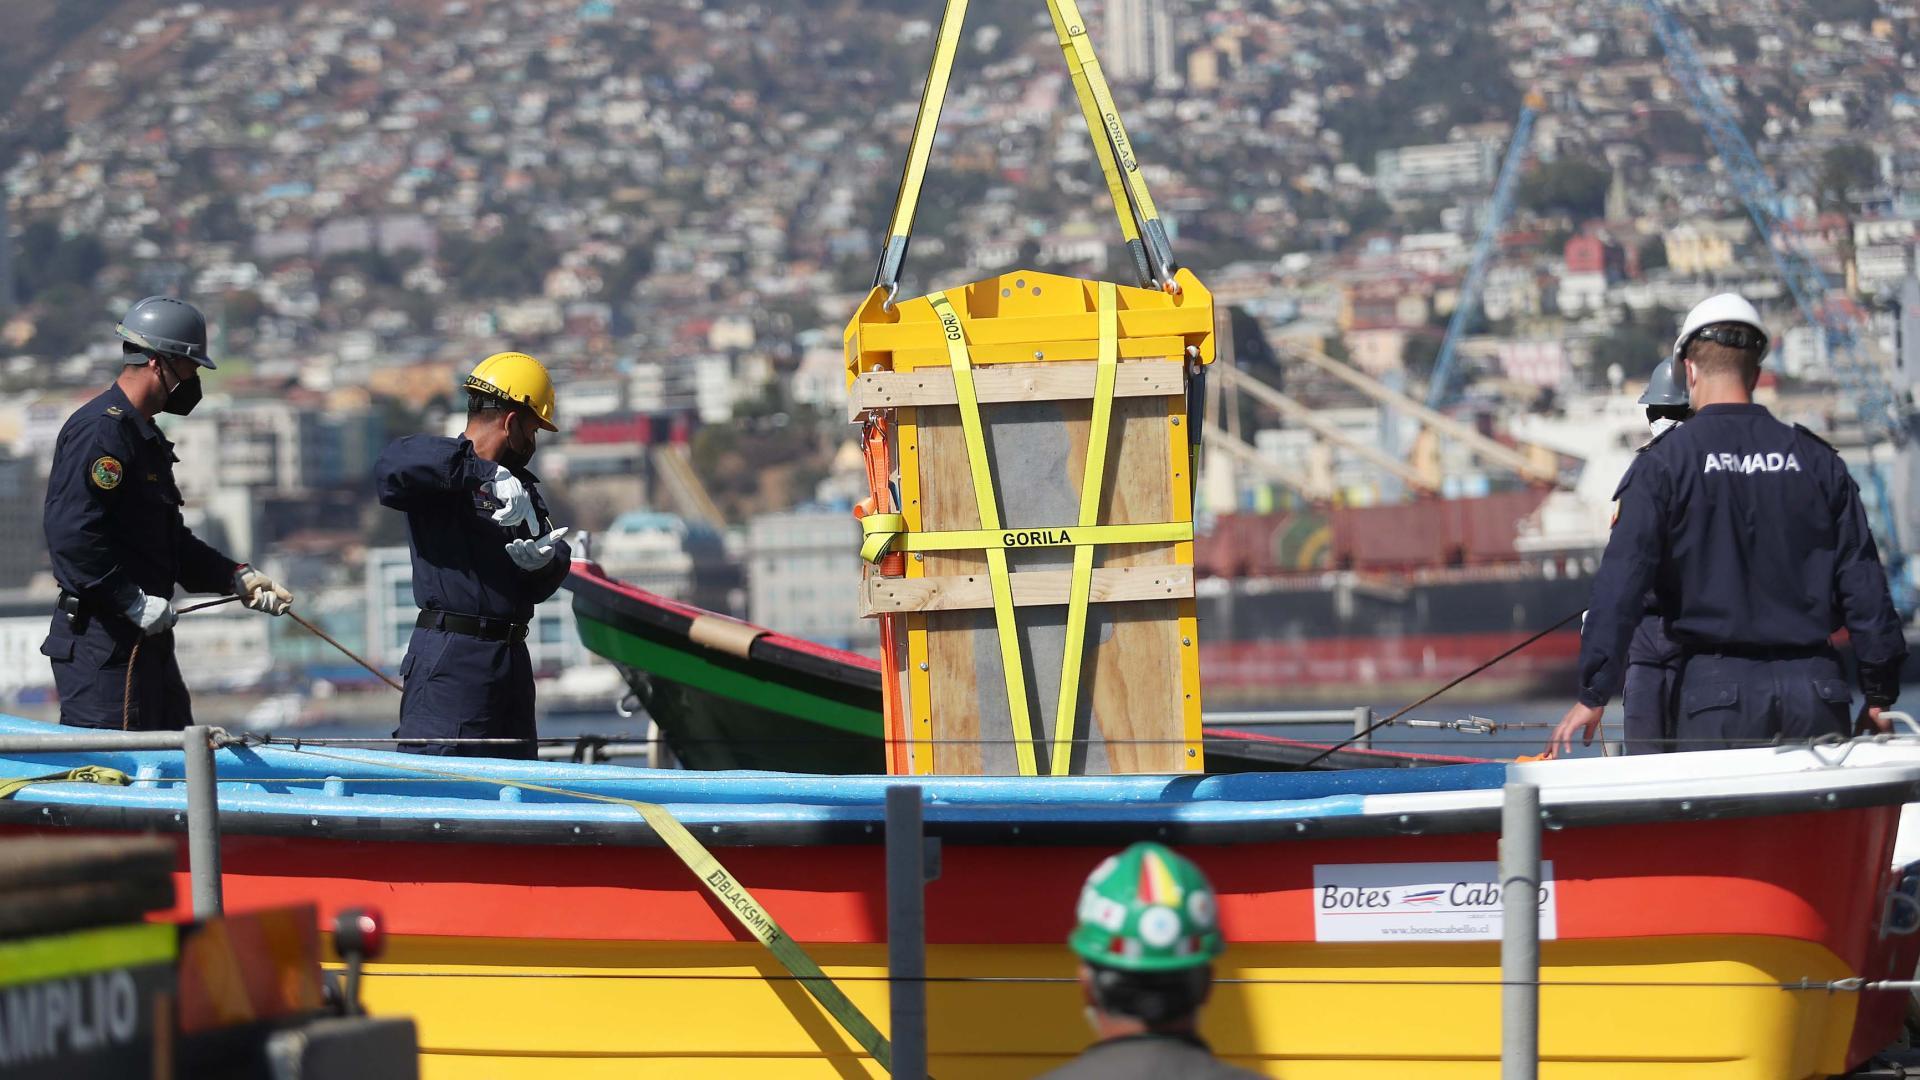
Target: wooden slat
{"x":1136,"y":686}
{"x":1033,"y":588}
{"x":1021,"y":382}
{"x":1153,"y":348}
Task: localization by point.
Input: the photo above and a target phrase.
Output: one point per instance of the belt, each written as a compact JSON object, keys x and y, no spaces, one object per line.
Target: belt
{"x":472,"y":625}
{"x":1760,"y":652}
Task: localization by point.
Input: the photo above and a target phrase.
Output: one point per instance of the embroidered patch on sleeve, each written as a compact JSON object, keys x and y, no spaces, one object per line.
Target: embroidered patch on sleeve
{"x":106,"y":473}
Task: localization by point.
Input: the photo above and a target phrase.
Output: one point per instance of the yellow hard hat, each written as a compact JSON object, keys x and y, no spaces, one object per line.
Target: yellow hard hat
{"x":518,"y":378}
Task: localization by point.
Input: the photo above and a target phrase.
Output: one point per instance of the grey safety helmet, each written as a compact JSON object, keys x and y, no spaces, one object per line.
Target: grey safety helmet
{"x":167,"y":326}
{"x":1663,"y":389}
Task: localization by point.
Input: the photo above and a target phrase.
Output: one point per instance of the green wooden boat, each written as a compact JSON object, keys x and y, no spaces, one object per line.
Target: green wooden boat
{"x":726,"y":694}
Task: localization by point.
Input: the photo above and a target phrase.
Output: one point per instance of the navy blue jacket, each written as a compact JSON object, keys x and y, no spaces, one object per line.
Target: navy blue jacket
{"x":460,"y":562}
{"x":113,"y":511}
{"x":1752,"y":536}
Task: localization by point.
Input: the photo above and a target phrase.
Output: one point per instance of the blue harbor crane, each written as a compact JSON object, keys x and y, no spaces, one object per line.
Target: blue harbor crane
{"x":1440,"y":387}
{"x":1883,"y":414}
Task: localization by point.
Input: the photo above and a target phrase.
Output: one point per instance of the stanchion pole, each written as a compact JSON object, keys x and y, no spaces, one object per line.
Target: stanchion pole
{"x":907,"y":932}
{"x":1520,"y":933}
{"x":203,"y":822}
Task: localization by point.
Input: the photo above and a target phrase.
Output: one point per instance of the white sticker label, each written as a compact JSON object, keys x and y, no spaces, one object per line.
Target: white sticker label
{"x":1431,"y":901}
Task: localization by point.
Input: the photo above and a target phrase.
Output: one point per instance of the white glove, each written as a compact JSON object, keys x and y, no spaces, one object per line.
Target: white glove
{"x":152,"y":614}
{"x":534,"y":554}
{"x":260,"y":592}
{"x":516,"y":506}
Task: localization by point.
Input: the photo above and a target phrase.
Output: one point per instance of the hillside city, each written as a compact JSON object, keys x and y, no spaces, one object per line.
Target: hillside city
{"x":676,"y":206}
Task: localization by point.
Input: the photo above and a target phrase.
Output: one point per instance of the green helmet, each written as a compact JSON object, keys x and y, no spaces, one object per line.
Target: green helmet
{"x":1147,"y":909}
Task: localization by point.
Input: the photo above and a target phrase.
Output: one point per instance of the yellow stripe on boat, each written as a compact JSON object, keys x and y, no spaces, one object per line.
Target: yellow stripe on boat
{"x":520,"y":1009}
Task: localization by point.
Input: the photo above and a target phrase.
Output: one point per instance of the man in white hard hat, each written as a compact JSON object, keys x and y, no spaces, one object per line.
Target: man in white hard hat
{"x":1751,"y":534}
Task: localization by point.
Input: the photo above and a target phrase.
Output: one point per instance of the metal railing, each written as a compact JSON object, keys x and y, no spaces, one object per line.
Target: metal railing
{"x":196,"y":745}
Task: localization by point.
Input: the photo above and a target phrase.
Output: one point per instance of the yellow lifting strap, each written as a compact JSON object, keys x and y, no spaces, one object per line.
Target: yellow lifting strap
{"x":1140,"y":224}
{"x":926,"y":122}
{"x":1011,"y":668}
{"x":85,"y":774}
{"x":1079,"y":592}
{"x":1152,"y":251}
{"x":887,"y":533}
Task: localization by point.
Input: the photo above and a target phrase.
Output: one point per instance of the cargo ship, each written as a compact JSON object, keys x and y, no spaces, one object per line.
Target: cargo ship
{"x":1384,"y":602}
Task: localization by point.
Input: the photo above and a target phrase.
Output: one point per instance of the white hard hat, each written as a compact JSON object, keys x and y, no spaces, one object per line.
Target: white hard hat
{"x":1724,"y":308}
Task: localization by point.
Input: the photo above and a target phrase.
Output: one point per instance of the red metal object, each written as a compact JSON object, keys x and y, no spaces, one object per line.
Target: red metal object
{"x":1240,"y":669}
{"x":1432,"y":532}
{"x":1241,"y":546}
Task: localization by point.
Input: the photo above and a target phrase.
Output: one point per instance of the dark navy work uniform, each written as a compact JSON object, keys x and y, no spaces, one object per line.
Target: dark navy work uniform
{"x":114,"y":529}
{"x":466,"y":671}
{"x":1647,"y":694}
{"x":1752,"y":537}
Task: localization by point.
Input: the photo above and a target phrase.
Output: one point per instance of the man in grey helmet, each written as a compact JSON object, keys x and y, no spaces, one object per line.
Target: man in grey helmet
{"x":118,"y":542}
{"x":1653,"y":660}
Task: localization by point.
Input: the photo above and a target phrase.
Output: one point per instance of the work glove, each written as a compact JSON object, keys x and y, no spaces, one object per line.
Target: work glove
{"x":516,"y":506}
{"x":152,"y":614}
{"x":260,"y":592}
{"x":534,"y":554}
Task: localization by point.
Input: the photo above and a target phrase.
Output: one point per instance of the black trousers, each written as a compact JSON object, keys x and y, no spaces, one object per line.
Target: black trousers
{"x":90,"y":674}
{"x":1730,"y":701}
{"x":463,"y":687}
{"x":1648,"y":695}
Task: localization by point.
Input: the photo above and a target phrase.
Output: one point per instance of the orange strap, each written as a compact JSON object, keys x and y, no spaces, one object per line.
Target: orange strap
{"x":879,"y":478}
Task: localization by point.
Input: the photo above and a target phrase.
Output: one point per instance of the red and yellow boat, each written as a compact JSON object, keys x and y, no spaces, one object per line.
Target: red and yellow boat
{"x":1702,"y":914}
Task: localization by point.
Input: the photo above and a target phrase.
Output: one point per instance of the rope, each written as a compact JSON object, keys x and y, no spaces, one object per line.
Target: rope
{"x":126,"y":684}
{"x":133,"y":657}
{"x":351,"y":655}
{"x":1807,"y":985}
{"x":1377,"y":725}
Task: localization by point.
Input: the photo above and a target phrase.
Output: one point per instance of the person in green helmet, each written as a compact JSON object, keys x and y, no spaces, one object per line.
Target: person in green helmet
{"x":1147,"y":933}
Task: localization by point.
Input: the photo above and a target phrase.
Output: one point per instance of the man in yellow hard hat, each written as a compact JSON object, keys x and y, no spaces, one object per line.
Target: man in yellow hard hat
{"x":484,"y":553}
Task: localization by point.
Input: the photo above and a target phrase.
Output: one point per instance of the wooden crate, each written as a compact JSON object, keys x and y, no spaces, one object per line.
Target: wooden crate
{"x":1033,"y":340}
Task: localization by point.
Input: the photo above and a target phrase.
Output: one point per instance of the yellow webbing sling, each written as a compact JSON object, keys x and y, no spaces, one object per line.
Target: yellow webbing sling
{"x":1132,"y":205}
{"x":1080,"y":591}
{"x":926,"y":122}
{"x":1012,"y":670}
{"x":1126,"y":183}
{"x":85,"y":774}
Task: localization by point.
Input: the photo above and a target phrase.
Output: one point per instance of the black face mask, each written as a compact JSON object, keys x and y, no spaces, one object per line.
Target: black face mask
{"x":183,"y":396}
{"x":512,"y":456}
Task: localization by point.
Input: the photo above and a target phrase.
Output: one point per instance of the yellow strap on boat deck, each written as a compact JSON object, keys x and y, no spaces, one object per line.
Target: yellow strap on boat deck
{"x":86,"y":774}
{"x":1012,"y":670}
{"x":732,"y":895}
{"x":1080,"y":591}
